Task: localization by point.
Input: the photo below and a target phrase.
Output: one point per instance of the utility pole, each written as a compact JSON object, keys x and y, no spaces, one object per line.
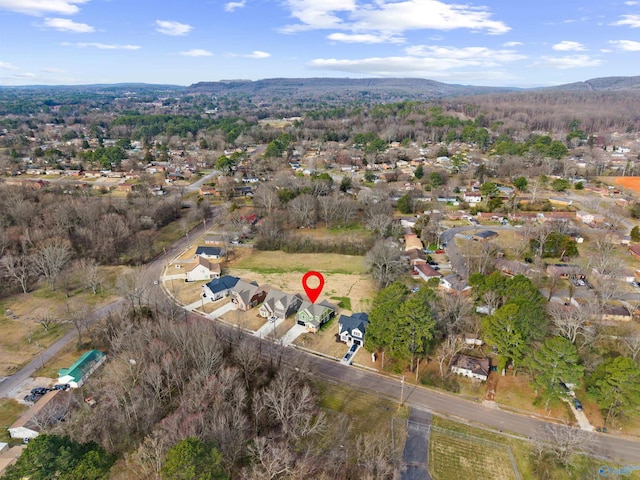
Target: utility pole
{"x":402,"y":391}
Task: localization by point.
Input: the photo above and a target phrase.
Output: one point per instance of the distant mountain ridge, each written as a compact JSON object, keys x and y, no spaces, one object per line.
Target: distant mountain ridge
{"x":602,"y":84}
{"x":352,"y":87}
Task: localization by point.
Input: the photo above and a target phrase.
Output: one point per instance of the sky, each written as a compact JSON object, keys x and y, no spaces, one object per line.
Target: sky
{"x":520,"y":43}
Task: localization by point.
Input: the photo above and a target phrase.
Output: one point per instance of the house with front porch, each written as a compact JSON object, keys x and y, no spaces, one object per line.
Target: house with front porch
{"x":314,"y":315}
{"x":352,"y":329}
{"x":246,"y":295}
{"x":471,"y":367}
{"x":279,"y":304}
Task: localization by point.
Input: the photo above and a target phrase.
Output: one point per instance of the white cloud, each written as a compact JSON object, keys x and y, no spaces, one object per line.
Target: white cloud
{"x":7,"y":66}
{"x":425,"y":60}
{"x":196,"y":52}
{"x":52,"y":70}
{"x":390,"y":17}
{"x":258,"y":54}
{"x":102,"y":46}
{"x":568,"y":46}
{"x":512,"y":44}
{"x":231,"y":6}
{"x":564,"y":63}
{"x":631,"y":4}
{"x":41,"y":7}
{"x":176,"y":29}
{"x":25,"y":75}
{"x":626,"y":45}
{"x":632,"y":21}
{"x":66,"y":25}
{"x":363,"y":38}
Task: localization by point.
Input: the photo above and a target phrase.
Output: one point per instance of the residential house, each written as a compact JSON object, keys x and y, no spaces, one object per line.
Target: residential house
{"x":635,"y":251}
{"x":280,"y":304}
{"x":415,"y":256}
{"x":477,"y":368}
{"x":51,"y":408}
{"x":352,"y":328}
{"x":484,"y":235}
{"x":411,"y":241}
{"x":314,"y":315}
{"x":426,"y":272}
{"x":246,"y":295}
{"x":210,"y":252}
{"x":472,"y":198}
{"x":202,"y":269}
{"x":513,"y":268}
{"x":566,"y":271}
{"x":82,"y":368}
{"x":454,"y":283}
{"x":616,"y":313}
{"x":219,"y":287}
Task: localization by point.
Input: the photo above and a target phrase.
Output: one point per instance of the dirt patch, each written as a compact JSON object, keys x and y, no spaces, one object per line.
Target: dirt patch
{"x":632,"y":183}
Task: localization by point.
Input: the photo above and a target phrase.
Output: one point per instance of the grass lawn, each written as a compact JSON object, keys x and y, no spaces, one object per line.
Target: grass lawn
{"x":280,"y":262}
{"x":456,"y":455}
{"x":343,"y":302}
{"x":516,"y":392}
{"x":10,"y":410}
{"x":63,"y":359}
{"x":250,"y":319}
{"x":368,"y":413}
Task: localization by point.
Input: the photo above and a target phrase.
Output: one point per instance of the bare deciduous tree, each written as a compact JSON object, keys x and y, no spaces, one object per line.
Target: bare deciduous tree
{"x":19,"y":268}
{"x":303,"y":209}
{"x":568,"y":321}
{"x":51,"y":259}
{"x":603,"y":256}
{"x":89,"y":274}
{"x":385,"y":263}
{"x":447,"y":350}
{"x":47,"y":320}
{"x":561,"y":443}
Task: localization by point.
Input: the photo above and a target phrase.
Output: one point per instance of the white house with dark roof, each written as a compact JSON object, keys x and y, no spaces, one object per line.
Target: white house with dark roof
{"x":210,"y":252}
{"x":426,"y":271}
{"x":471,"y":367}
{"x":454,"y":283}
{"x":219,"y":287}
{"x":352,"y":328}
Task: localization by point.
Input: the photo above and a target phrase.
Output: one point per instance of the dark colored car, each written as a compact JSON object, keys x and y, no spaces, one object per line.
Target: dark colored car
{"x":40,"y":390}
{"x":31,"y":398}
{"x":62,"y":386}
{"x":577,"y":404}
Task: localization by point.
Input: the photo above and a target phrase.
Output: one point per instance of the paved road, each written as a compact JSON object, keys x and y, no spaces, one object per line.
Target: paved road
{"x":606,"y":445}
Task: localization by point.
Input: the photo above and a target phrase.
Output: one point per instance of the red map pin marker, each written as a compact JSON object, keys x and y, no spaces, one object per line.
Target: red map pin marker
{"x":313,"y":292}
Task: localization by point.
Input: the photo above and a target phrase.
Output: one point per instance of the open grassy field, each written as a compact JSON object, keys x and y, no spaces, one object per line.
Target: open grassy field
{"x":456,"y":455}
{"x":280,"y":262}
{"x":462,"y":451}
{"x":10,"y":410}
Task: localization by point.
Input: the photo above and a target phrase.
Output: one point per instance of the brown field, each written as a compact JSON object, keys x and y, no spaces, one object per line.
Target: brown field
{"x":632,"y":183}
{"x":23,"y":338}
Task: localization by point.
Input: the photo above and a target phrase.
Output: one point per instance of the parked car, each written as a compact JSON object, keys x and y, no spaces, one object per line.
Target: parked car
{"x":62,"y":386}
{"x":439,"y":252}
{"x":31,"y":398}
{"x":40,"y":390}
{"x":577,"y":404}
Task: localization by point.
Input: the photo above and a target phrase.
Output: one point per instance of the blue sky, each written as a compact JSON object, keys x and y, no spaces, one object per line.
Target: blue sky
{"x":492,"y":42}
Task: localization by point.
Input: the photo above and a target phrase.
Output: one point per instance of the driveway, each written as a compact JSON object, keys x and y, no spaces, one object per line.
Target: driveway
{"x":226,"y":308}
{"x":293,"y":333}
{"x":267,"y":328}
{"x":416,"y":449}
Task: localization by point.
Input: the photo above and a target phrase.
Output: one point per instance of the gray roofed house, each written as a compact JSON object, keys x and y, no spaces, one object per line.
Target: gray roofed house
{"x":280,"y":304}
{"x":209,"y":252}
{"x":484,"y":235}
{"x":454,"y":283}
{"x":471,"y":367}
{"x":246,"y":295}
{"x":314,"y":315}
{"x":219,"y":287}
{"x":353,"y":328}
